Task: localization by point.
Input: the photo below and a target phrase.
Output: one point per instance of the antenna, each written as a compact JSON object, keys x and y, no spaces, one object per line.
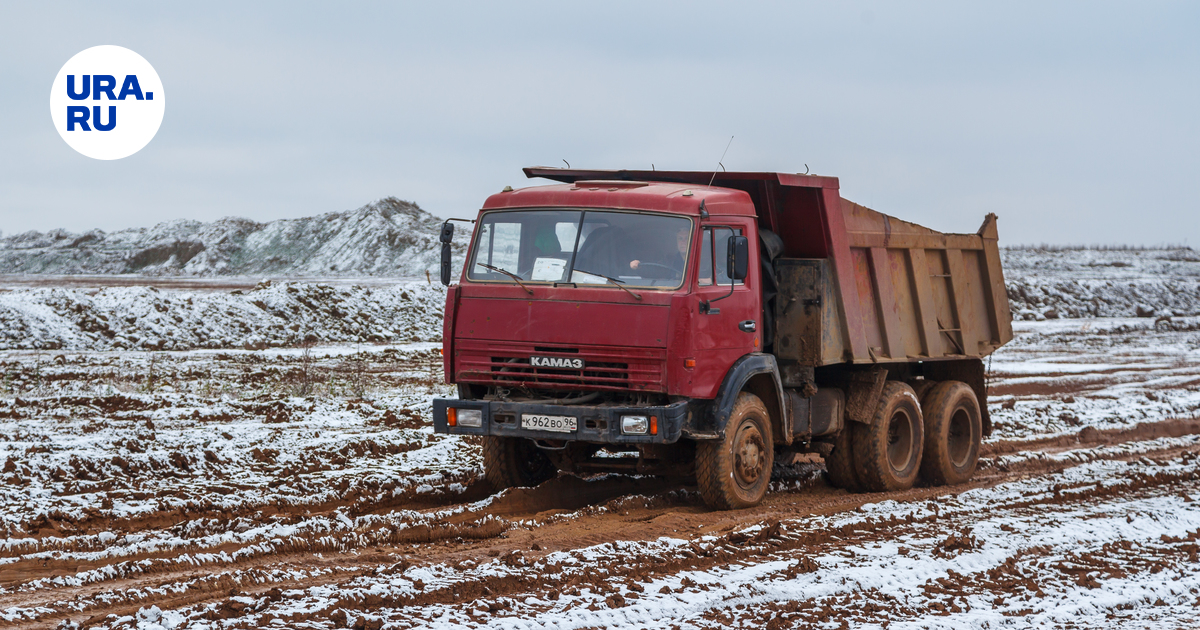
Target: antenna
{"x":567,"y":163}
{"x":719,"y":164}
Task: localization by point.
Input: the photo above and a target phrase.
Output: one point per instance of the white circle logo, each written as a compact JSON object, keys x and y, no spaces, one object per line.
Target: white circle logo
{"x":107,"y":102}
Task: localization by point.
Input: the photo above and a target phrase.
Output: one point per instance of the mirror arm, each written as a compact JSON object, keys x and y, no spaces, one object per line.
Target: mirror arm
{"x":706,"y":305}
{"x":447,"y":237}
{"x":731,"y":270}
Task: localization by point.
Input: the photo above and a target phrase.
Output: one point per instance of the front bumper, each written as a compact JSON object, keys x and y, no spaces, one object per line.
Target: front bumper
{"x":599,"y":424}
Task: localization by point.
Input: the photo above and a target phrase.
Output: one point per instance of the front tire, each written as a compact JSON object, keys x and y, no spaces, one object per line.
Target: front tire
{"x":887,"y":452}
{"x":734,"y":472}
{"x":953,"y":432}
{"x":514,"y":463}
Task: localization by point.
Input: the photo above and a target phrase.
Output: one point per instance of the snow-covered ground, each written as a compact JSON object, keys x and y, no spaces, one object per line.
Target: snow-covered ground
{"x":284,"y":488}
{"x":122,"y":436}
{"x":195,"y":457}
{"x":1159,"y":286}
{"x":1074,"y":283}
{"x":1097,"y":545}
{"x":1059,"y":376}
{"x":271,"y":314}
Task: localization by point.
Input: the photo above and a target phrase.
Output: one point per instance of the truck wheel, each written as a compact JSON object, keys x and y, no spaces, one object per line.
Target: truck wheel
{"x":887,"y":452}
{"x":921,"y":387}
{"x":953,"y":431}
{"x":514,"y":463}
{"x":734,"y":472}
{"x":839,"y":464}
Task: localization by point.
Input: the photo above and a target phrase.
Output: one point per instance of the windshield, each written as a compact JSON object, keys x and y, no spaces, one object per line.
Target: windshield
{"x":583,"y":247}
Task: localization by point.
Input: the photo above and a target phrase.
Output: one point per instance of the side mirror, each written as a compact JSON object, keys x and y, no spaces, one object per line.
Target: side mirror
{"x":446,"y":236}
{"x":739,"y":257}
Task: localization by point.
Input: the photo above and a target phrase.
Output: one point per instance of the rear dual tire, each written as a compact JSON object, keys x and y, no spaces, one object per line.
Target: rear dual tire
{"x":937,"y":439}
{"x":953,"y":433}
{"x":887,"y":452}
{"x":884,"y":455}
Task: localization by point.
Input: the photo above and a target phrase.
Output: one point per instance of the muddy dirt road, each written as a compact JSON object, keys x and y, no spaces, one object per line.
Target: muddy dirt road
{"x":283,"y":489}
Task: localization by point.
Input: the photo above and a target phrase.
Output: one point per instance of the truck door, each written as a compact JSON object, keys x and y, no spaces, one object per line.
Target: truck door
{"x":731,"y":328}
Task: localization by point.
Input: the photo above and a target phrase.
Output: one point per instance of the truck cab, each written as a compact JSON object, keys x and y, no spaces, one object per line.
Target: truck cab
{"x":628,"y":321}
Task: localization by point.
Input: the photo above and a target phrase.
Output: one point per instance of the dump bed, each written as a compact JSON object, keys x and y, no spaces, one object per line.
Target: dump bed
{"x":856,"y":285}
{"x":892,"y":291}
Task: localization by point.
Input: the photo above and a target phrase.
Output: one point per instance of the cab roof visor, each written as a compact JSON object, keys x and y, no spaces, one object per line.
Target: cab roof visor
{"x":742,"y":180}
{"x":609,"y":183}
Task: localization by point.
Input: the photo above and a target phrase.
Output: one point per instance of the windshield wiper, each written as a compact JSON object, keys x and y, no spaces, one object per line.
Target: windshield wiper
{"x":509,"y":274}
{"x":614,"y":281}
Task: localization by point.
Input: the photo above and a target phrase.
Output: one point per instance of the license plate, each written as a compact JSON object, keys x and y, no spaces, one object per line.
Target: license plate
{"x":563,"y":424}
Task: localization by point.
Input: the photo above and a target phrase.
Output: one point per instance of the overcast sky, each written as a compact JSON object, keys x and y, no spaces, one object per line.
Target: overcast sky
{"x":1074,"y":122}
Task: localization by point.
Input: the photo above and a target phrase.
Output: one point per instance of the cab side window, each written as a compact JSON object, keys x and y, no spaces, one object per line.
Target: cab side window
{"x":713,"y":254}
{"x":706,"y":266}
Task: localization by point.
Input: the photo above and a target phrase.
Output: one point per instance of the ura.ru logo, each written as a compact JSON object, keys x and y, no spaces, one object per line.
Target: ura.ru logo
{"x":96,"y":87}
{"x":107,"y":102}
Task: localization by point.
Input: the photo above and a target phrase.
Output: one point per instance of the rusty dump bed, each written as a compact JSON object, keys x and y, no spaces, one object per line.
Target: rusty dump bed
{"x":857,"y":285}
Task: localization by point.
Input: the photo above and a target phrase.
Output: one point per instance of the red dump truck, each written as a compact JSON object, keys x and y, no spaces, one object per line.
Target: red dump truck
{"x":680,"y":323}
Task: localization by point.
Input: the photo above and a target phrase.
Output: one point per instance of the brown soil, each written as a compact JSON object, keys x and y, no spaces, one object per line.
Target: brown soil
{"x":1090,"y":436}
{"x":524,"y":525}
{"x":471,"y":526}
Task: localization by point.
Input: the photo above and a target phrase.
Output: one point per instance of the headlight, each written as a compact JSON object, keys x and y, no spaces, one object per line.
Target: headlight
{"x":635,"y":425}
{"x":470,"y":418}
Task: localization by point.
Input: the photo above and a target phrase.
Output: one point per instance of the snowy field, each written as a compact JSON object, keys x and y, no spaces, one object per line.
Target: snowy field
{"x":1051,"y":283}
{"x":132,"y":312}
{"x":243,"y":454}
{"x":265,"y":315}
{"x":304,"y":488}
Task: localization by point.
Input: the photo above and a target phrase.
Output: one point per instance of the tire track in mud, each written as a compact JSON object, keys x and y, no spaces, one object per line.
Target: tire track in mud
{"x":618,"y":575}
{"x":605,"y":511}
{"x":566,"y":494}
{"x":48,"y":534}
{"x":1091,"y":436}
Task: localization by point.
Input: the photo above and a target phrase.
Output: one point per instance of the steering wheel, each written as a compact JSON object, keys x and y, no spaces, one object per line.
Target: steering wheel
{"x":650,"y":264}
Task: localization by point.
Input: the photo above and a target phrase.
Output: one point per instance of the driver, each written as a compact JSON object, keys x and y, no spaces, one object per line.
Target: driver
{"x":672,"y":259}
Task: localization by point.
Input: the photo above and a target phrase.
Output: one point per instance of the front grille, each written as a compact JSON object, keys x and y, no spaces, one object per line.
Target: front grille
{"x":605,"y":367}
{"x":515,"y":370}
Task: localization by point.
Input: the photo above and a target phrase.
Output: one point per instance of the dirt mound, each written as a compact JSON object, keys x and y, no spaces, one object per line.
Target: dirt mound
{"x":267,"y":316}
{"x":1074,"y":283}
{"x":389,"y":237}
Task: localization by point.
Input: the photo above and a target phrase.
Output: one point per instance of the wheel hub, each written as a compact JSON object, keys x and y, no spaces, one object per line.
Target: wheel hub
{"x":960,"y":438}
{"x":900,"y":441}
{"x":749,"y":456}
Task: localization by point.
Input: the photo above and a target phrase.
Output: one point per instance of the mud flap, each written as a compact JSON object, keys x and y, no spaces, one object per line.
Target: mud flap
{"x":863,"y":392}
